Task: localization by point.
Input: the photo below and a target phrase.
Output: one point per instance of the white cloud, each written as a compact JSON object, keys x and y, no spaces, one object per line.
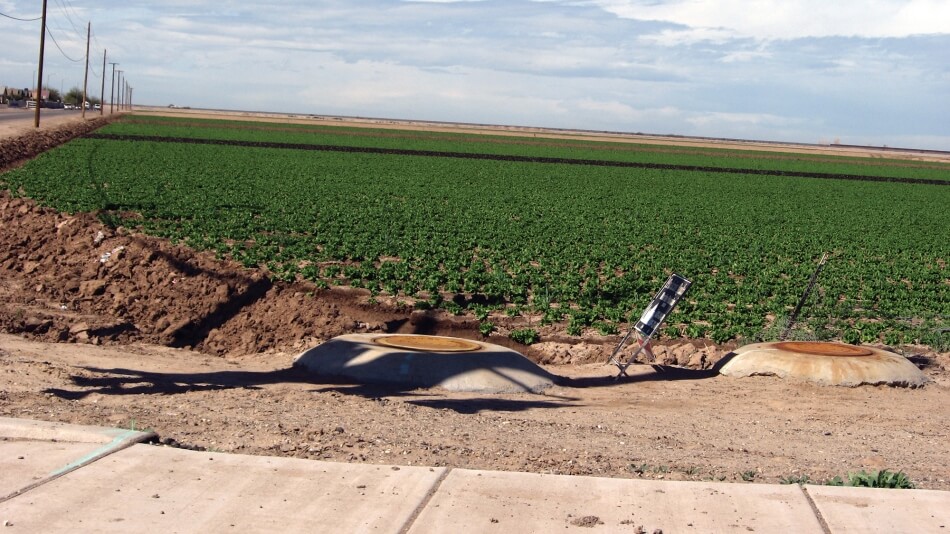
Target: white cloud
{"x":706,"y":119}
{"x":764,"y":69}
{"x":792,"y":19}
{"x":740,"y":56}
{"x":623,"y":113}
{"x":680,"y":37}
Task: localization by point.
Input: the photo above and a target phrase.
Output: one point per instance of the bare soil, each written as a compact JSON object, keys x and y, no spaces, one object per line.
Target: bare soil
{"x":110,"y":327}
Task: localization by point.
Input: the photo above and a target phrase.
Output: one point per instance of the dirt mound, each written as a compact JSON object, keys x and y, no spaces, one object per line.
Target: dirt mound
{"x":71,"y":278}
{"x":17,"y":150}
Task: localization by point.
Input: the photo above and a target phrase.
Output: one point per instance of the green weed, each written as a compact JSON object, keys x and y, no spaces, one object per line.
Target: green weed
{"x":525,"y":336}
{"x":880,"y":479}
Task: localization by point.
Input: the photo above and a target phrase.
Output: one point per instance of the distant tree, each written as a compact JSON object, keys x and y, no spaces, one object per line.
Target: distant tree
{"x":73,"y":96}
{"x":54,"y":95}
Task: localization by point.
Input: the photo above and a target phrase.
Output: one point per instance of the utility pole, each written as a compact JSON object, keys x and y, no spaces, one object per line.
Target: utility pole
{"x":39,"y":83}
{"x":102,"y":91}
{"x":130,"y":98}
{"x":112,"y":87}
{"x":119,"y":87}
{"x":85,"y":83}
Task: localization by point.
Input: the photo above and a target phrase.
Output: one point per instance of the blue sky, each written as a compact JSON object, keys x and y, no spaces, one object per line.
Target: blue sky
{"x":873,"y":72}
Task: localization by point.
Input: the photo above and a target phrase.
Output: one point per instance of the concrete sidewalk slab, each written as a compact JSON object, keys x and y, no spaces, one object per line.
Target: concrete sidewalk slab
{"x":846,"y":509}
{"x":492,"y":502}
{"x":146,"y":488}
{"x":24,"y":464}
{"x":12,"y":428}
{"x":35,"y":452}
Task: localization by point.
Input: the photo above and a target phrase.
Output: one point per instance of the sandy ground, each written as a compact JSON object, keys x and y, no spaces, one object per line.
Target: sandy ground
{"x":672,"y":424}
{"x":49,"y":119}
{"x":200,"y":350}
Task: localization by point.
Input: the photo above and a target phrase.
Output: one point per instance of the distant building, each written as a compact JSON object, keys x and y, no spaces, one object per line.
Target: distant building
{"x":12,"y":93}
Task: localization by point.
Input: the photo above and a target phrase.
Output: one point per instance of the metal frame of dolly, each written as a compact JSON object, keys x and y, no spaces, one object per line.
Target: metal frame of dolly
{"x":662,"y":304}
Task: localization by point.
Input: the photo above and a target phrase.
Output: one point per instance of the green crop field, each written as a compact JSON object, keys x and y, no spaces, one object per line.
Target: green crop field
{"x":578,"y":233}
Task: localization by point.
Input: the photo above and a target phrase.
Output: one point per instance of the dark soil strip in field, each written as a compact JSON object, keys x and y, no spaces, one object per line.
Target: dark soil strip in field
{"x":517,"y":159}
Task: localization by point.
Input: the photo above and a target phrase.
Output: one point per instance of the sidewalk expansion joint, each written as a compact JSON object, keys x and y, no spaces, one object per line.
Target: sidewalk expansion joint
{"x":814,"y":508}
{"x":425,"y":501}
{"x":120,"y":442}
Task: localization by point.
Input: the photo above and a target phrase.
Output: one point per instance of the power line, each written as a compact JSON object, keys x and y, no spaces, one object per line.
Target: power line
{"x":18,"y":18}
{"x":50,"y":33}
{"x":54,"y":23}
{"x":65,"y":11}
{"x":62,"y":29}
{"x":97,"y":43}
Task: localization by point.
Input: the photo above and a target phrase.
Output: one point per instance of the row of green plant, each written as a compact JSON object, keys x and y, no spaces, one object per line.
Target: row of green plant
{"x":530,"y":147}
{"x":585,"y":247}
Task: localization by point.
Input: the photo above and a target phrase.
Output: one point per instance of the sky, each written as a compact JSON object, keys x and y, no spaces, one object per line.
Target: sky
{"x":870,"y":72}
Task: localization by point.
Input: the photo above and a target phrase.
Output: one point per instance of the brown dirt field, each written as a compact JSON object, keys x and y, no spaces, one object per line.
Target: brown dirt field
{"x":111,"y":327}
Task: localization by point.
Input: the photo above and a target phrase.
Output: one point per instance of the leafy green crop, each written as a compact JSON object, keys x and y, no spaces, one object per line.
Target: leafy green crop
{"x":525,"y":336}
{"x":584,"y":245}
{"x":523,"y":146}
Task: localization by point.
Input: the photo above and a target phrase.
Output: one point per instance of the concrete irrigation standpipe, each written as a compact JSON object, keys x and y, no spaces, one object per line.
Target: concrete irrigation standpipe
{"x":415,"y":361}
{"x":831,"y":364}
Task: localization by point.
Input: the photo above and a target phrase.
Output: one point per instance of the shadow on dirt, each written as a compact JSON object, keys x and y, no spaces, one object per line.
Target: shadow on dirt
{"x":132,"y":382}
{"x":473,"y":406}
{"x":661,"y":373}
{"x":465,"y":406}
{"x":119,"y":381}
